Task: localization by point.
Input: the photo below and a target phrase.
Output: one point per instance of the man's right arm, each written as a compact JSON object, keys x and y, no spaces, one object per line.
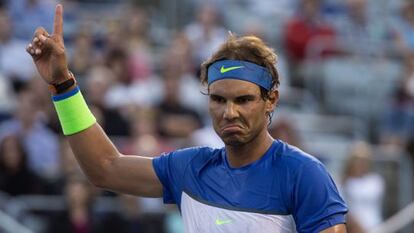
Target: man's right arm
{"x":108,"y":169}
{"x":96,"y":154}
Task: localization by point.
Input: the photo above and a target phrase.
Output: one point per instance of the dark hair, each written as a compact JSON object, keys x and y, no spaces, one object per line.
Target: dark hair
{"x":19,"y":143}
{"x":246,"y":48}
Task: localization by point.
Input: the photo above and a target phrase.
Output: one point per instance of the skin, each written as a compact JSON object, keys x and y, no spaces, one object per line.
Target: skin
{"x":237,"y":110}
{"x":239,"y":117}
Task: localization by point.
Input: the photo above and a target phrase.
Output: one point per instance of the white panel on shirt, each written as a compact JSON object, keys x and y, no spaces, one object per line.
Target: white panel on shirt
{"x":202,"y":218}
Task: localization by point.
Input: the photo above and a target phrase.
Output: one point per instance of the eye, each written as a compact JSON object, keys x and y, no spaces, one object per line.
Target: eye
{"x":217,"y":99}
{"x":243,"y":99}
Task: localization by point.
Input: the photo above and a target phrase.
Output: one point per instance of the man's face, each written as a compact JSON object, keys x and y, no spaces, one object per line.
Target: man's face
{"x":238,"y":112}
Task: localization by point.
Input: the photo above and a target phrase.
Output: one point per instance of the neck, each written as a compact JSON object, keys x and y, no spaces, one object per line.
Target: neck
{"x":242,"y":155}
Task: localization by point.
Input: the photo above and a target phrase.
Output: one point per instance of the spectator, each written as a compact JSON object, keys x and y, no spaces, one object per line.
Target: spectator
{"x":303,"y":30}
{"x":98,"y":83}
{"x":205,"y":33}
{"x":14,"y":63}
{"x":26,"y":14}
{"x":365,"y":204}
{"x":15,"y":176}
{"x":82,"y":53}
{"x":174,"y":119}
{"x":124,"y":90}
{"x":398,"y":123}
{"x":178,"y":55}
{"x":145,"y":139}
{"x":284,"y":130}
{"x":78,"y":217}
{"x":358,"y":25}
{"x":39,"y":141}
{"x":138,"y":44}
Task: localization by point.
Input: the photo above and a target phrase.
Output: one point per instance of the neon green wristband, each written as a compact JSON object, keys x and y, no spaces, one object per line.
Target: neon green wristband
{"x":73,"y":112}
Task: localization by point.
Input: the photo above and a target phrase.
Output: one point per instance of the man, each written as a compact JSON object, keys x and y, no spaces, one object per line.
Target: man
{"x":254,"y":184}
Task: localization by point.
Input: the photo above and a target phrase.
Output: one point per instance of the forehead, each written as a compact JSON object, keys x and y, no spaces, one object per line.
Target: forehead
{"x":233,"y":87}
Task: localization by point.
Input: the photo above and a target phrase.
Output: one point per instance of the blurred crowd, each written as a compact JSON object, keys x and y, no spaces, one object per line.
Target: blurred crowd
{"x":137,"y":63}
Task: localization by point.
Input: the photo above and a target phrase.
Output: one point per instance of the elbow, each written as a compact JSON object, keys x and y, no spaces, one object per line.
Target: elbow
{"x":98,"y":182}
{"x":101,"y":178}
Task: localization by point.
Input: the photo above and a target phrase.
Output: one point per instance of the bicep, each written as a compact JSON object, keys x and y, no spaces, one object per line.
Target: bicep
{"x":340,"y":228}
{"x":134,"y":175}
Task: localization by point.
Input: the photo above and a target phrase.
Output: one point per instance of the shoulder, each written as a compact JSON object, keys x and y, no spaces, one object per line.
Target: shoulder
{"x":193,"y":155}
{"x":293,"y":158}
{"x":198,"y":152}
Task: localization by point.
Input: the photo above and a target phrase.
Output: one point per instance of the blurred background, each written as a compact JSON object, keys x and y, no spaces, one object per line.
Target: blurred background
{"x":347,"y":97}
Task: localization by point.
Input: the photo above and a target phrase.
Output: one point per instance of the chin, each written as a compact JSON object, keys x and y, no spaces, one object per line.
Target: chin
{"x":233,"y":141}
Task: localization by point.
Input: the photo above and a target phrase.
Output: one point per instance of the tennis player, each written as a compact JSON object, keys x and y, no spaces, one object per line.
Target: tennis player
{"x":254,"y":184}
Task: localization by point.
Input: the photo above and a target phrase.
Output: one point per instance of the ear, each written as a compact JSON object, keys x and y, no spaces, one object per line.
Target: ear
{"x":272,"y":101}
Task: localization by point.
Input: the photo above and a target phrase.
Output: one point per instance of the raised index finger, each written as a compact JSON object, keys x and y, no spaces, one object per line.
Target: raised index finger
{"x":58,"y":22}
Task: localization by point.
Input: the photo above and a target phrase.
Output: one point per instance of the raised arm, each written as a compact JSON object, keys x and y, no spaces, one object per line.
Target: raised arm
{"x":98,"y":157}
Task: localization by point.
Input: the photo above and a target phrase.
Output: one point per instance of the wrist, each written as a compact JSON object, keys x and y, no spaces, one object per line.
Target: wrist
{"x":64,"y":84}
{"x":74,"y":115}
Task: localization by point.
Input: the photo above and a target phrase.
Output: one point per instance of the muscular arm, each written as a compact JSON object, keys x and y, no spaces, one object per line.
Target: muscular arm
{"x":107,"y":168}
{"x":98,"y":157}
{"x":340,"y":228}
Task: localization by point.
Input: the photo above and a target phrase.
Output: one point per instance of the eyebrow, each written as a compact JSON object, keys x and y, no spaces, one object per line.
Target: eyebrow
{"x":248,"y":96}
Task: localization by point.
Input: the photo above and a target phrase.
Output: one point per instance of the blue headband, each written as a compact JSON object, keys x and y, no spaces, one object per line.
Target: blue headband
{"x":242,"y":70}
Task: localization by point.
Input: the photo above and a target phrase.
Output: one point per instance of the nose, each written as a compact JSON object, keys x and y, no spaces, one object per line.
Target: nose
{"x":230,"y":112}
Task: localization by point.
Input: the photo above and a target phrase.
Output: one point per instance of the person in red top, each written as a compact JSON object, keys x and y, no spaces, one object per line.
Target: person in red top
{"x":302,"y":30}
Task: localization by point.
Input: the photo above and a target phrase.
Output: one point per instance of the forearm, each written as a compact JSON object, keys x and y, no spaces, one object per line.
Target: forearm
{"x":107,"y":168}
{"x":94,"y":152}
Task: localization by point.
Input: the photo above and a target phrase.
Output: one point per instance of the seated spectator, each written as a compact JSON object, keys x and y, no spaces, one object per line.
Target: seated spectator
{"x":124,"y":90}
{"x":14,"y":62}
{"x":302,"y":31}
{"x":98,"y":83}
{"x":39,"y":141}
{"x":358,"y":25}
{"x":78,"y":217}
{"x":15,"y":176}
{"x":174,"y":119}
{"x":206,"y":33}
{"x":138,"y":43}
{"x":27,"y":14}
{"x":145,"y":139}
{"x":398,"y":120}
{"x":82,"y":54}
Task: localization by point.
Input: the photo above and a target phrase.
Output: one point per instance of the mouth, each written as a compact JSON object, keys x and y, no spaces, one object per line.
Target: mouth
{"x":231,"y":128}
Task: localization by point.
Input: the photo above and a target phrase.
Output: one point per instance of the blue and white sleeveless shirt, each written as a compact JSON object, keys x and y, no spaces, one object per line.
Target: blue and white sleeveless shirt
{"x":285,"y":191}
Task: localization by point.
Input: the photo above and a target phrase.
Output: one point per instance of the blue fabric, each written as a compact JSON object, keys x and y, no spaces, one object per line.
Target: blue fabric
{"x":66,"y":95}
{"x":243,"y":70}
{"x":284,"y":181}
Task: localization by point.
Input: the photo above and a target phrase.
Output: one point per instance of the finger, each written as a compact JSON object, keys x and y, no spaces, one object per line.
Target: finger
{"x":30,"y":49}
{"x":40,"y":31}
{"x":36,"y":41}
{"x":58,"y":22}
{"x":46,"y":41}
{"x":49,"y":43}
{"x":38,"y":51}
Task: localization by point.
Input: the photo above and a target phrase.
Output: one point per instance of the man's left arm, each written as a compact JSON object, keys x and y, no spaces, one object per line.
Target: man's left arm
{"x":340,"y":228}
{"x":317,"y":204}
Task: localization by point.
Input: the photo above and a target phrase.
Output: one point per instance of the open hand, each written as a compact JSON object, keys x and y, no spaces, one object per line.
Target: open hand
{"x":48,"y":51}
